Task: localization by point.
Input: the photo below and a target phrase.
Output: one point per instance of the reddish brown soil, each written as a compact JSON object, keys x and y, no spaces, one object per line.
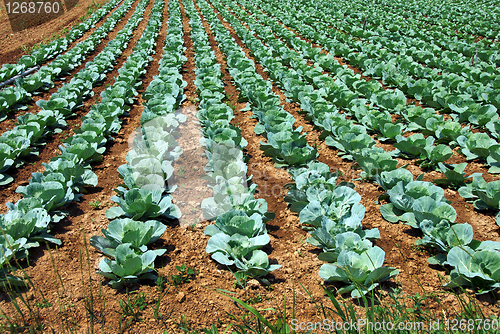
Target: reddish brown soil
{"x":71,"y":296}
{"x":34,"y":162}
{"x":14,"y":42}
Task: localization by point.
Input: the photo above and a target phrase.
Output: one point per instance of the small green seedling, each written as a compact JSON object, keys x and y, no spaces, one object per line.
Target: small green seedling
{"x":185,"y":276}
{"x":95,"y":204}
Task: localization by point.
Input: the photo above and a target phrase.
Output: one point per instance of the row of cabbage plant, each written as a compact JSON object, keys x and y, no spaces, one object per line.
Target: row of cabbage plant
{"x":421,"y":204}
{"x":31,"y":128}
{"x":285,"y":144}
{"x":473,"y":145}
{"x":28,"y":221}
{"x":450,"y":92}
{"x":50,"y":50}
{"x":339,"y":131}
{"x":369,"y":116}
{"x":422,"y":24}
{"x":379,"y":121}
{"x":239,"y":231}
{"x":439,"y":215}
{"x":21,"y":92}
{"x":421,"y":48}
{"x":331,"y":213}
{"x":144,"y":198}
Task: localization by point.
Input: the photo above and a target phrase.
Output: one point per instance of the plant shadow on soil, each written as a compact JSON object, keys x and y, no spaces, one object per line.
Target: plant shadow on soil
{"x":413,"y":232}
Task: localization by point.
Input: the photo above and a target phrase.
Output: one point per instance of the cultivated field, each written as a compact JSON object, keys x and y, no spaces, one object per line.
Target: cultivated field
{"x":206,"y":166}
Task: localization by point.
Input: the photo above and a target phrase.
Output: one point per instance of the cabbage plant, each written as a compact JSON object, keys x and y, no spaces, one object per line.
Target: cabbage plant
{"x":339,"y":205}
{"x":477,"y":145}
{"x":236,"y":239}
{"x":373,"y":161}
{"x":315,"y":175}
{"x":485,"y":195}
{"x":334,"y":243}
{"x":455,"y":176}
{"x":362,"y":272}
{"x":479,"y":270}
{"x":128,"y":266}
{"x":443,"y":237}
{"x":32,"y":225}
{"x":238,"y":222}
{"x":143,"y":204}
{"x":416,"y":201}
{"x":136,"y":233}
{"x":387,"y":180}
{"x":10,"y":249}
{"x":241,"y":251}
{"x":288,"y":148}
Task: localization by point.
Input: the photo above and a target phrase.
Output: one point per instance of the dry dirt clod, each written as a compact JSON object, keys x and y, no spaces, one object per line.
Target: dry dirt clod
{"x":181,"y":297}
{"x":253,"y":284}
